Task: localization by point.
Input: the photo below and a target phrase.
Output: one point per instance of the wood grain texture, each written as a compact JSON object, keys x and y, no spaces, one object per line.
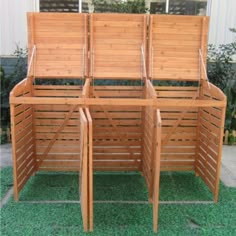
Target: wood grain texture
{"x":83,"y":185}
{"x":23,"y":152}
{"x":117,"y":133}
{"x":157,"y":157}
{"x":115,"y":45}
{"x":117,"y":128}
{"x":61,"y":44}
{"x":174,"y":43}
{"x":211,"y":128}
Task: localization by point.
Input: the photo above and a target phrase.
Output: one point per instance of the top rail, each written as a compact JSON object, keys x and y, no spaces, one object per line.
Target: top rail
{"x":118,"y":102}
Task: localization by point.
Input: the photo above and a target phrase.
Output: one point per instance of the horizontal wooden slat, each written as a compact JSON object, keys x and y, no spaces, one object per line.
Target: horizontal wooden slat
{"x":59,"y":156}
{"x":60,"y":163}
{"x":116,"y":157}
{"x":57,"y":93}
{"x":54,"y":114}
{"x":109,"y":164}
{"x":63,"y":136}
{"x":177,"y":168}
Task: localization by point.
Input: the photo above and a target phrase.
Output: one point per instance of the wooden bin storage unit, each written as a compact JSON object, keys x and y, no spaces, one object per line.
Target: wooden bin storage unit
{"x":192,"y":116}
{"x":118,"y":54}
{"x":87,"y":127}
{"x":49,"y":130}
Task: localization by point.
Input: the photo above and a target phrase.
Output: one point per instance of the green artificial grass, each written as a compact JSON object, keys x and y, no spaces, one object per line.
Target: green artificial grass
{"x":116,"y":186}
{"x":6,"y":180}
{"x":25,"y":218}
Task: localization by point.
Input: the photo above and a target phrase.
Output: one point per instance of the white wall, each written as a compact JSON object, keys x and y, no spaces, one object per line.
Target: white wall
{"x":222,"y":17}
{"x":13,"y":24}
{"x":14,"y":30}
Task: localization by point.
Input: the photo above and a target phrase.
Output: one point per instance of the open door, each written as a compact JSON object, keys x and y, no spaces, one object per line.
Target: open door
{"x":83,"y":180}
{"x":157,"y":157}
{"x":90,"y":168}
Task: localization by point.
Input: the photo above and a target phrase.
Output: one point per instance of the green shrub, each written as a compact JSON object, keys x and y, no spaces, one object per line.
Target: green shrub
{"x":135,"y":6}
{"x":8,"y":82}
{"x":222,"y":74}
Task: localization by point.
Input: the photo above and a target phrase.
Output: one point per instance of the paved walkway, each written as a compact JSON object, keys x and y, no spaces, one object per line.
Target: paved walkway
{"x":228,"y":170}
{"x":228,"y":167}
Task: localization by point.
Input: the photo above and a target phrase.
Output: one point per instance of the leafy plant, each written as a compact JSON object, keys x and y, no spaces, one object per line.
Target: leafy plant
{"x":222,"y":74}
{"x":8,"y":82}
{"x":220,"y":69}
{"x":136,"y":6}
{"x":230,"y":118}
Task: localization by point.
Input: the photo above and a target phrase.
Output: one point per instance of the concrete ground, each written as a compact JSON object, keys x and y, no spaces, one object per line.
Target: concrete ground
{"x":228,"y":170}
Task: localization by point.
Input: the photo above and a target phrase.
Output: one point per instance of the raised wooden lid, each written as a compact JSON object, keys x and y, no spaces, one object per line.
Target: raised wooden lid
{"x":174,"y":43}
{"x":115,"y":44}
{"x":61,"y":45}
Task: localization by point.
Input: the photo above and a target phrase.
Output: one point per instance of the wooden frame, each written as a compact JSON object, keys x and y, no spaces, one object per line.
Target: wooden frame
{"x":144,"y":128}
{"x":177,"y":51}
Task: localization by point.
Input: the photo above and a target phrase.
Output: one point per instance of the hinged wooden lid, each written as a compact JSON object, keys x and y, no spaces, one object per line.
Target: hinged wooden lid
{"x":174,"y":43}
{"x":60,"y":41}
{"x":115,"y":44}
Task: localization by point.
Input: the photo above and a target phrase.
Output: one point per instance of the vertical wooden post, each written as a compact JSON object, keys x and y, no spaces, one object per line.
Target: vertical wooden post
{"x":143,"y":126}
{"x":220,"y":145}
{"x":202,"y":78}
{"x":144,"y":46}
{"x":153,"y":157}
{"x":31,"y":43}
{"x":203,"y":45}
{"x":33,"y":125}
{"x":150,"y":52}
{"x":86,"y":44}
{"x":13,"y":135}
{"x":91,"y":56}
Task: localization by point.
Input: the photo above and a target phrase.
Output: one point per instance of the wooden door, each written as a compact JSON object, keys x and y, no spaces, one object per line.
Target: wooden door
{"x":157,"y":157}
{"x":83,"y":180}
{"x":90,"y":168}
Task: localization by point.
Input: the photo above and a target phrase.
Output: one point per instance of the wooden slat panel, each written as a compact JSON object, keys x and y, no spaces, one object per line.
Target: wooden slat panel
{"x":179,"y":38}
{"x":179,"y":151}
{"x":22,"y":139}
{"x":58,"y":36}
{"x":117,"y":132}
{"x":148,"y":141}
{"x":48,"y":120}
{"x":116,"y":45}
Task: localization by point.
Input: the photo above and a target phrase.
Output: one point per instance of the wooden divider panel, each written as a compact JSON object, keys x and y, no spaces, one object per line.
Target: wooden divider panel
{"x":152,"y":151}
{"x":48,"y":120}
{"x":179,"y":129}
{"x":211,"y":128}
{"x":157,"y":157}
{"x":23,"y":143}
{"x":117,"y":130}
{"x":61,"y":44}
{"x":149,"y":124}
{"x":174,"y":43}
{"x":115,"y":44}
